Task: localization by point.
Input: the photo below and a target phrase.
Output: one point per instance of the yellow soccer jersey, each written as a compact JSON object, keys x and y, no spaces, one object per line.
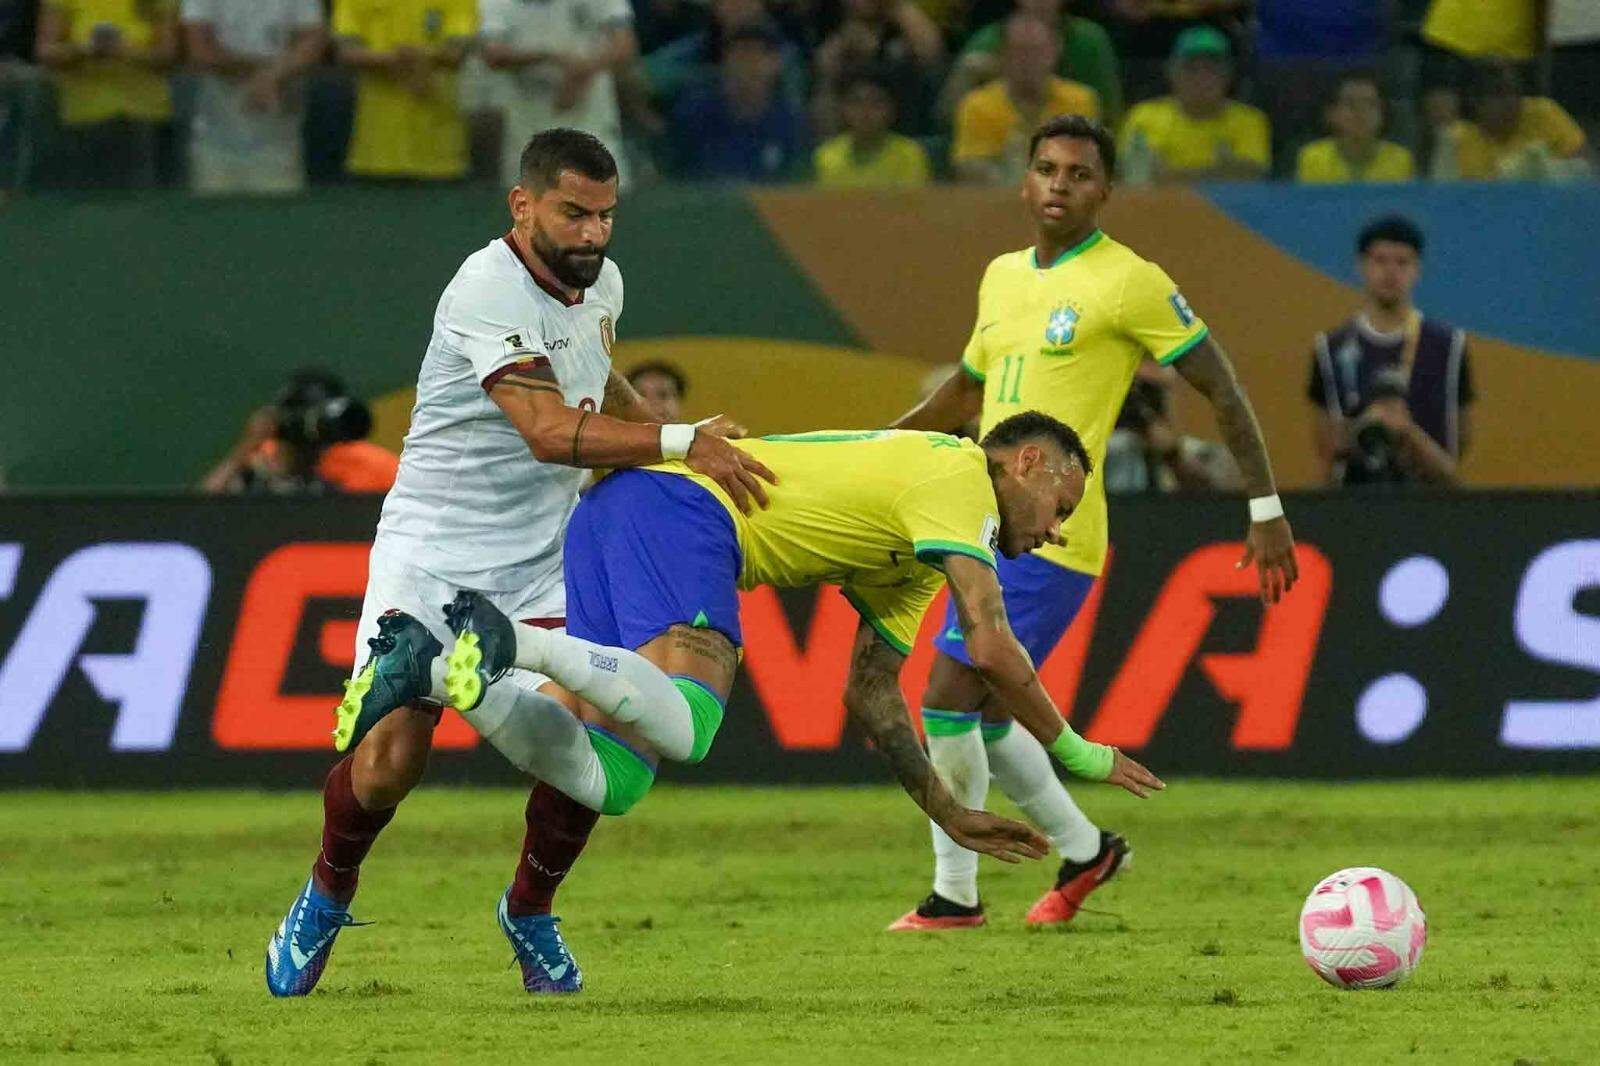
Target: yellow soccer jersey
{"x":397,"y":133}
{"x":96,"y":91}
{"x":1320,"y":163}
{"x":1066,"y":340}
{"x":874,"y":512}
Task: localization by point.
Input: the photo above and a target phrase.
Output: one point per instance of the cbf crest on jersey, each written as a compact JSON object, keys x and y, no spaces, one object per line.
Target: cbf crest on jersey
{"x":1061,"y":326}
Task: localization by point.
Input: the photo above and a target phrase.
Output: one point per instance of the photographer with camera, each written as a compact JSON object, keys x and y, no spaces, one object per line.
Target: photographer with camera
{"x":1147,"y":453}
{"x":1392,"y":389}
{"x":310,"y":441}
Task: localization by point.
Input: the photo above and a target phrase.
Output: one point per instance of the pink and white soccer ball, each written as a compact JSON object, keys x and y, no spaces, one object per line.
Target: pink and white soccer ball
{"x":1362,"y":928}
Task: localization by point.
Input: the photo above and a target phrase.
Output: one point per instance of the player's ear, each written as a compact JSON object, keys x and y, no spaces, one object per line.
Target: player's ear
{"x":520,"y":201}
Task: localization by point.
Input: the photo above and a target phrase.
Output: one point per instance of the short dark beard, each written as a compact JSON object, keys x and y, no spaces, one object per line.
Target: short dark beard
{"x":572,"y":272}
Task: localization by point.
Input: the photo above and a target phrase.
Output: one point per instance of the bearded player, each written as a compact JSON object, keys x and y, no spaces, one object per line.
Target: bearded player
{"x":1061,"y":328}
{"x":655,"y":559}
{"x":516,"y":395}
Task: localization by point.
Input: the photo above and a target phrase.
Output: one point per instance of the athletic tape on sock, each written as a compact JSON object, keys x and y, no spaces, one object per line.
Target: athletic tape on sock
{"x":937,"y":723}
{"x":704,"y":709}
{"x":628,"y":775}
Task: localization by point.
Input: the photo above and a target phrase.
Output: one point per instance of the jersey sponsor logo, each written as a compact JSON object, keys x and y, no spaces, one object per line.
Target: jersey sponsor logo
{"x":559,"y":344}
{"x":1062,"y":326}
{"x":516,"y":343}
{"x":1181,"y":307}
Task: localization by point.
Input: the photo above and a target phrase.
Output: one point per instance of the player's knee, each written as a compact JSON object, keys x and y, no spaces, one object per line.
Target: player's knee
{"x":705,"y":710}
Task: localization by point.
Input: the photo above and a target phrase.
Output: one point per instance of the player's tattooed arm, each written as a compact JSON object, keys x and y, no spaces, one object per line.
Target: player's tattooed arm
{"x":949,"y":407}
{"x":1207,"y":368}
{"x":873,"y":700}
{"x":995,"y":651}
{"x":583,"y":437}
{"x":623,"y":401}
{"x":1270,"y":544}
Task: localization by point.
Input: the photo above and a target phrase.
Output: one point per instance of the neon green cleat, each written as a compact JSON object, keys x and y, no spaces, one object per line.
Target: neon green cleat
{"x":485,"y":648}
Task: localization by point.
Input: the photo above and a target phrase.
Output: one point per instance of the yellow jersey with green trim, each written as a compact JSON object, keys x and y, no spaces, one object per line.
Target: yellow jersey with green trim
{"x":874,"y":512}
{"x":1066,"y":339}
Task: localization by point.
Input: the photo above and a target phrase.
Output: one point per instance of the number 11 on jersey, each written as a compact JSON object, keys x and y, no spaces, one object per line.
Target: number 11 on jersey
{"x":1011,"y":380}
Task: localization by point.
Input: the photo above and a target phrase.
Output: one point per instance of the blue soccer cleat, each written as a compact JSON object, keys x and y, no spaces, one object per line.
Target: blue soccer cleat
{"x":300,"y":948}
{"x":398,"y":671}
{"x":547,"y":965}
{"x":485,"y":648}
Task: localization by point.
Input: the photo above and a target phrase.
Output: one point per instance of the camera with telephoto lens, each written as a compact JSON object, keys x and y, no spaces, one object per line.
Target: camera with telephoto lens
{"x":1374,"y":458}
{"x":315,"y":410}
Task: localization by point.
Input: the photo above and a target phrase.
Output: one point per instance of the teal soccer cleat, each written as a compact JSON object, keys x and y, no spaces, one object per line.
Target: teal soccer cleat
{"x":399,"y":670}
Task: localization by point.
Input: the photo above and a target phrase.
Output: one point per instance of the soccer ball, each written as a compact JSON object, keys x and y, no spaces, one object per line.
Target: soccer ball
{"x":1362,"y":928}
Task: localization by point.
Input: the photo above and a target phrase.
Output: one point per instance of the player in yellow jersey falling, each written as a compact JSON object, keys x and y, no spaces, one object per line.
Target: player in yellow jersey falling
{"x":654,"y":559}
{"x":1061,"y":328}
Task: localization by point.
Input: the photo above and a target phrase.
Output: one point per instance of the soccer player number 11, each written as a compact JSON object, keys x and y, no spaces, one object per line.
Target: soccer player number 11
{"x":1011,"y":382}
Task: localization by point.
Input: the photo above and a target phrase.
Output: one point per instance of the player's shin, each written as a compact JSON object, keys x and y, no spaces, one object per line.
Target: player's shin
{"x":1022,"y":770}
{"x":956,"y":750}
{"x":541,"y":737}
{"x":675,"y":717}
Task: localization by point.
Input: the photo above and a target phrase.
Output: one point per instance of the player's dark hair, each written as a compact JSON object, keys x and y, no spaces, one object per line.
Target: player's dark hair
{"x":554,"y":150}
{"x":1078,"y":126}
{"x":1033,"y":425}
{"x":1396,"y":228}
{"x":679,"y":381}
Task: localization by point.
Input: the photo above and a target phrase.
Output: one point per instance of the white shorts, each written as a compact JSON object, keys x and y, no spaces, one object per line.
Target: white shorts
{"x":395,"y":584}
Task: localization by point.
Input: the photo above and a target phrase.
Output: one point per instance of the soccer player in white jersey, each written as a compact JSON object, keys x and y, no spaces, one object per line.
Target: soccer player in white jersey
{"x":515,"y":397}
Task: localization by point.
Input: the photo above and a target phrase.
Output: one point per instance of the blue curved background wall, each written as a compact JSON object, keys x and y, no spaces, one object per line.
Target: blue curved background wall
{"x":1523,"y":263}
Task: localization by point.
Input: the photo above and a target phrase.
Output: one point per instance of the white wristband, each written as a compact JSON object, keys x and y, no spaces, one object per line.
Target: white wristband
{"x":676,"y":439}
{"x":1266,"y":508}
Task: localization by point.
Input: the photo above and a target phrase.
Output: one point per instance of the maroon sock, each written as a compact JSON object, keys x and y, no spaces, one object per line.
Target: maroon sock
{"x":348,"y":830}
{"x":558,"y":829}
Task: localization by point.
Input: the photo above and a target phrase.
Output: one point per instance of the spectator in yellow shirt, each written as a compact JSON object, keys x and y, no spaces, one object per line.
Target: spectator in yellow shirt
{"x":1355,"y":152}
{"x":1198,"y":133}
{"x":994,"y":121}
{"x":1483,"y":29}
{"x":1512,"y":137}
{"x":406,"y":53}
{"x":869,"y":154}
{"x":109,"y":59}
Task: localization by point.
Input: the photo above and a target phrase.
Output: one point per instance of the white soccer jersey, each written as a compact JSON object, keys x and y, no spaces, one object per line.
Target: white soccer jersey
{"x":527,"y":95}
{"x":259,"y":30}
{"x":471,"y":504}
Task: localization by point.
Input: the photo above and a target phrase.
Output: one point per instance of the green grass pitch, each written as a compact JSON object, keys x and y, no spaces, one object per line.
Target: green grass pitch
{"x":745,"y":926}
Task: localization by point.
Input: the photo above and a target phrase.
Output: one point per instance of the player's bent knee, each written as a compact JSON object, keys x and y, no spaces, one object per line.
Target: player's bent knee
{"x":706,"y":711}
{"x":628,"y":774}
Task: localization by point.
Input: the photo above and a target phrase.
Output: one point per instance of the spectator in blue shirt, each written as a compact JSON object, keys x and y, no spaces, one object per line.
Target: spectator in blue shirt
{"x":742,"y":127}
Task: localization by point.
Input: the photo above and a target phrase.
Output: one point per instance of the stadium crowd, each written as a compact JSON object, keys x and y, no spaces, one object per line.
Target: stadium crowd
{"x":262,"y":96}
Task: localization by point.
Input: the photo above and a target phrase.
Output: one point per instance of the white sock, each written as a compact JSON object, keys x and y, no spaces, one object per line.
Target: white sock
{"x":541,"y":737}
{"x":1022,"y":770}
{"x":620,"y":683}
{"x":955,"y":748}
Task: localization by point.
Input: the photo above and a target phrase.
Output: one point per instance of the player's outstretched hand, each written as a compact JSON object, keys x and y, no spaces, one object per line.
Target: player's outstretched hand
{"x":723,"y":426}
{"x":739,"y":474}
{"x":990,"y":834}
{"x":1130,"y":774}
{"x":1270,"y":545}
